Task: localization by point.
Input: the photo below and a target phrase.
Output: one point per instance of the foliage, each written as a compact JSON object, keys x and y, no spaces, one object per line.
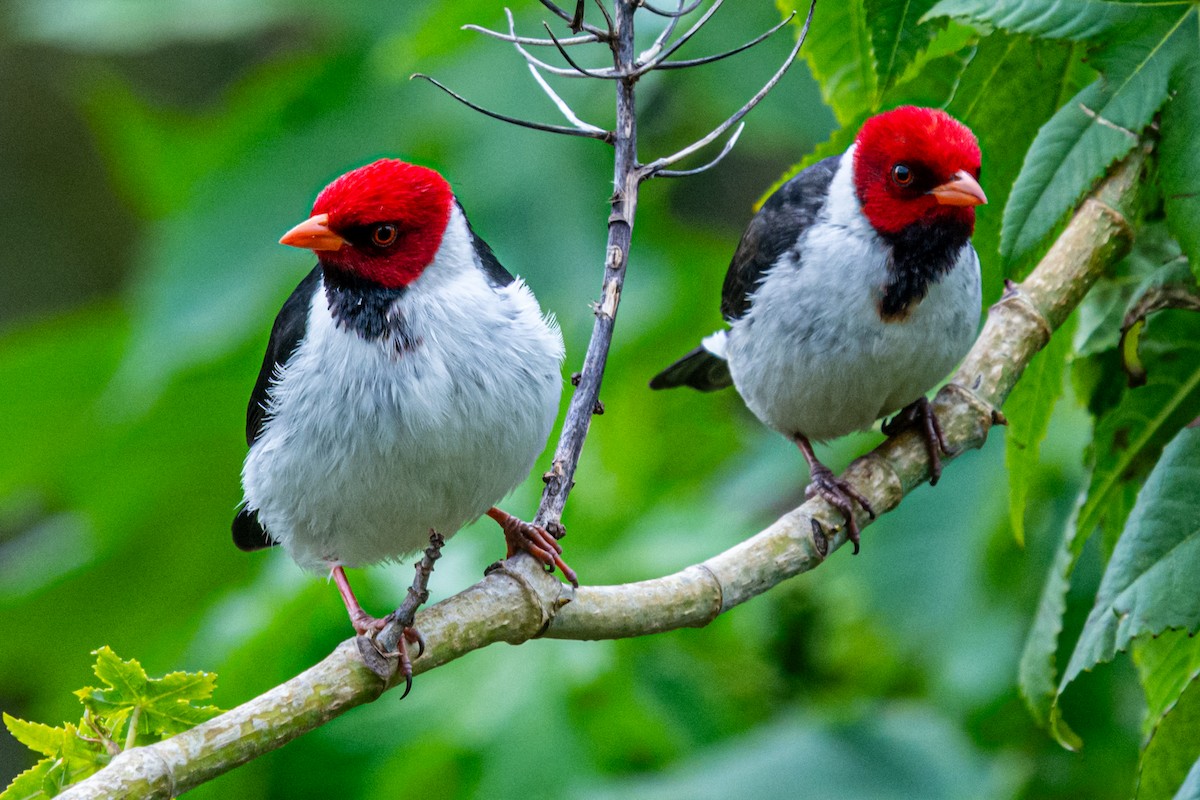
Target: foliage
{"x":127,"y":352}
{"x":131,"y":709}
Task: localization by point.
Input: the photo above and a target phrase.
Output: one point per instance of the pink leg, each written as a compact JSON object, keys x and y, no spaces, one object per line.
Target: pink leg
{"x":362,"y":621}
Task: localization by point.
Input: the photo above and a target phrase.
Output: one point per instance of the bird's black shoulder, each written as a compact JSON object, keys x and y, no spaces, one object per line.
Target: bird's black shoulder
{"x":493,"y":270}
{"x":776,"y":227}
{"x":289,"y":328}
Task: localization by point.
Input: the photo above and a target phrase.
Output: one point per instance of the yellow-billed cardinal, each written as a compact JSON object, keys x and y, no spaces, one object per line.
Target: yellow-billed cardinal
{"x":409,"y":384}
{"x":853,"y":291}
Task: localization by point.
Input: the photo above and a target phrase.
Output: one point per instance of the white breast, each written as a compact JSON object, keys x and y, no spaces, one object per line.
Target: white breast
{"x":367,"y":448}
{"x":812,"y":355}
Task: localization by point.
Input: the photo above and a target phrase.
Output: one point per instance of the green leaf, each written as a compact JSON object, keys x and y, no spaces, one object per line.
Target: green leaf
{"x":1172,"y":749}
{"x":839,"y":55}
{"x":1179,"y":168}
{"x":28,"y":785}
{"x":1028,"y":409}
{"x":993,"y":98}
{"x":1171,"y":286}
{"x":1166,"y":664}
{"x":161,"y":706}
{"x":37,"y":737}
{"x":1129,"y":439}
{"x":1099,"y":126}
{"x":70,"y":757}
{"x":1071,"y":152}
{"x":1150,"y":583}
{"x":127,"y":679}
{"x":1190,"y":790}
{"x":1078,"y":20}
{"x":898,"y":36}
{"x":1154,"y":262}
{"x":1037,"y":674}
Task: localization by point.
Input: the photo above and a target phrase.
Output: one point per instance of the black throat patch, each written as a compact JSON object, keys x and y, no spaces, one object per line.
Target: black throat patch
{"x":921,"y":256}
{"x":368,"y":309}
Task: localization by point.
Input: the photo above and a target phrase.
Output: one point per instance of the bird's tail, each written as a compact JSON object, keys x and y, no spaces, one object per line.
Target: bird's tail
{"x":248,"y":532}
{"x":705,"y":368}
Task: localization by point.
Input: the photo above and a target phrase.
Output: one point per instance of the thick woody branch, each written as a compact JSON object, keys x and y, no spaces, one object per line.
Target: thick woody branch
{"x":518,"y":602}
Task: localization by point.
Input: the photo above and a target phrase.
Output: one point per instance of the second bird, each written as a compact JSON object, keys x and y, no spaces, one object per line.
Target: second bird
{"x":853,"y":291}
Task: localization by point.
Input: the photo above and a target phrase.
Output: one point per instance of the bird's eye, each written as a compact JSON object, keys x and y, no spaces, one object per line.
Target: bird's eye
{"x":384,"y":235}
{"x":901,"y":175}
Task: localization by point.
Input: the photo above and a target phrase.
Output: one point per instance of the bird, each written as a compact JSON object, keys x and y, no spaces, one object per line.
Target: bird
{"x":410,"y":383}
{"x":853,"y":291}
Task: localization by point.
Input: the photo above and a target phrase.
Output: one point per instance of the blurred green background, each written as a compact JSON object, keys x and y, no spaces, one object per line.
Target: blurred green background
{"x":153,"y":152}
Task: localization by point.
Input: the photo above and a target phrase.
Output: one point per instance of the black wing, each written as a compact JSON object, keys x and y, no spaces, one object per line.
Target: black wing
{"x":699,"y":369}
{"x":286,"y":333}
{"x":496,"y":274}
{"x":774,"y":230}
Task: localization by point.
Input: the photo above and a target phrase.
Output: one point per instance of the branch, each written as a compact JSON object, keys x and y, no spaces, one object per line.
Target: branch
{"x":656,"y":166}
{"x":518,"y":602}
{"x":590,"y":132}
{"x":695,"y":62}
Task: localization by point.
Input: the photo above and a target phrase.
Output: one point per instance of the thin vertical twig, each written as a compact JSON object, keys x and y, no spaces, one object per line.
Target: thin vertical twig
{"x":561,"y":476}
{"x":628,"y":173}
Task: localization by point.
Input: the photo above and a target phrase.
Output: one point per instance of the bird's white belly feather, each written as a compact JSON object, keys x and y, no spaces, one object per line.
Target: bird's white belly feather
{"x":812,"y":356}
{"x":365,"y":450}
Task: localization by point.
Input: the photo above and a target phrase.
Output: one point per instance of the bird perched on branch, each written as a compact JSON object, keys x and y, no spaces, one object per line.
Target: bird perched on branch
{"x":409,"y":384}
{"x":853,"y":291}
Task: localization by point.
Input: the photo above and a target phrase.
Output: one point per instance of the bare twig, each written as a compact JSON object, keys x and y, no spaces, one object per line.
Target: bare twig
{"x":560,"y":478}
{"x":657,"y":165}
{"x":578,"y":26}
{"x":627,"y":176}
{"x":566,"y":109}
{"x":683,"y":173}
{"x":587,"y":73}
{"x":666,"y":32}
{"x":518,"y":601}
{"x":695,"y":62}
{"x":608,"y":20}
{"x":533,"y":41}
{"x":677,"y":13}
{"x":589,"y":132}
{"x":681,"y":41}
{"x":533,"y":61}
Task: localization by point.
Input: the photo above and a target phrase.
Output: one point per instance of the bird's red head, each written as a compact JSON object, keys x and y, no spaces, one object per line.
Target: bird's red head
{"x":383,"y":222}
{"x":917,"y":165}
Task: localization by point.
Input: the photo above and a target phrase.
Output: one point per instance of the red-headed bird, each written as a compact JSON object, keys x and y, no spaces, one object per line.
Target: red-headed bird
{"x":853,"y":291}
{"x":409,"y":384}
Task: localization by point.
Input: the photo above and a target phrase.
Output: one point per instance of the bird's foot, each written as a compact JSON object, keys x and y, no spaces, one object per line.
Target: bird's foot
{"x":398,"y":627}
{"x":920,"y":415}
{"x":841,"y":495}
{"x":408,"y":635}
{"x":521,"y":536}
{"x":366,"y":625}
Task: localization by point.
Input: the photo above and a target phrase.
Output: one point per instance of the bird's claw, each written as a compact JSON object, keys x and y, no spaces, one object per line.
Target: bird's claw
{"x":400,"y":654}
{"x":842,"y":496}
{"x":521,"y":536}
{"x":919,"y":415}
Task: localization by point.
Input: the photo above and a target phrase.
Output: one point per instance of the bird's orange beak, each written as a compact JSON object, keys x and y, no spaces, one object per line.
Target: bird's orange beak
{"x":313,"y":234}
{"x":964,"y":190}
